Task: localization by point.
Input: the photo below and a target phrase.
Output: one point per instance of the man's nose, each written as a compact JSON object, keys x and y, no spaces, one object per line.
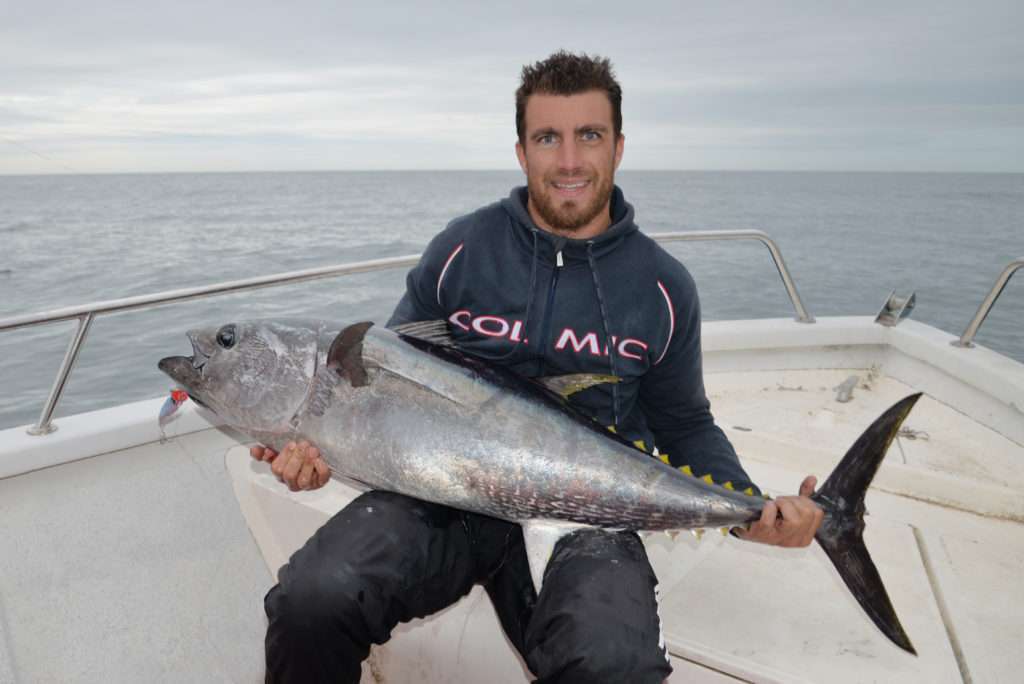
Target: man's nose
{"x":569,"y":155}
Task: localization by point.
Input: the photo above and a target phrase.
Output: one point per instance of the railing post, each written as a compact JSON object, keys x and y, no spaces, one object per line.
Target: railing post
{"x":45,"y":425}
{"x":967,"y":339}
{"x":802,"y":314}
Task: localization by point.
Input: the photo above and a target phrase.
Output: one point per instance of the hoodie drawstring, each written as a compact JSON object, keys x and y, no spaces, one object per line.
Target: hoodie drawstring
{"x":529,"y":295}
{"x":607,"y":333}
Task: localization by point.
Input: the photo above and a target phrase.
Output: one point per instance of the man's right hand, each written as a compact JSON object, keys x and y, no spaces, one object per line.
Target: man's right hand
{"x":299,"y":466}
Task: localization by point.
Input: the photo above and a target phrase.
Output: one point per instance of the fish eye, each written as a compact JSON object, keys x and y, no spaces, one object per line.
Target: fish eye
{"x":226,"y":336}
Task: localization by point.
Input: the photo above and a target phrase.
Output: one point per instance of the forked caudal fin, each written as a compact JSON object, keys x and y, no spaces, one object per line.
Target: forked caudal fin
{"x":840,"y":534}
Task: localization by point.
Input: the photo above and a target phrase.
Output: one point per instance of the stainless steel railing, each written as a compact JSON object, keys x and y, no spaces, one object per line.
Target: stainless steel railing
{"x":802,"y":315}
{"x":85,"y":313}
{"x":967,"y":339}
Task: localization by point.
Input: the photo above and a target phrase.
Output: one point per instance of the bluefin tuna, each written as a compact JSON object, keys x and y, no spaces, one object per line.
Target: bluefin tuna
{"x":406,"y":411}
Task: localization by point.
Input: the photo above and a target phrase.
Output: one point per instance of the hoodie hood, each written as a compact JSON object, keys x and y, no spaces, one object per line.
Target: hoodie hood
{"x":548,"y":243}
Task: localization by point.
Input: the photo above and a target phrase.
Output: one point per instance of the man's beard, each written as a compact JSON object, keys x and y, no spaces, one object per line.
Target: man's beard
{"x":569,"y":216}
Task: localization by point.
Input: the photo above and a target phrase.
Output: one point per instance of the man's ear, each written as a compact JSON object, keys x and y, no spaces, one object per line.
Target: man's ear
{"x":521,"y":156}
{"x":620,"y":144}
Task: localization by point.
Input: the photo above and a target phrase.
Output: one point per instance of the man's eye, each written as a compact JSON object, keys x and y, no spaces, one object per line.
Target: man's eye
{"x":546,"y":139}
{"x":590,"y":136}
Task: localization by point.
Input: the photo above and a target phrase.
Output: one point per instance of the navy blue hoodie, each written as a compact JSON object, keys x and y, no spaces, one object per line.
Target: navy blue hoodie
{"x":614,"y":304}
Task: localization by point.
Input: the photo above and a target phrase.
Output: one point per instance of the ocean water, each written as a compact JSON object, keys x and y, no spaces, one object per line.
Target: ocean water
{"x":848,"y":239}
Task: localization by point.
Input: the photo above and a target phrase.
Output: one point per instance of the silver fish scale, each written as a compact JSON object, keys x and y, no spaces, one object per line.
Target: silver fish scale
{"x":439,"y":431}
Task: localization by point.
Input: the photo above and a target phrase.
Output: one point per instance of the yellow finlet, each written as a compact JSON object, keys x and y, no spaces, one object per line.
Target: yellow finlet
{"x":749,"y":491}
{"x":724,"y":531}
{"x":664,"y":459}
{"x":639,"y":444}
{"x":686,"y":469}
{"x":698,"y":533}
{"x":611,"y":428}
{"x":707,"y":478}
{"x":728,"y":485}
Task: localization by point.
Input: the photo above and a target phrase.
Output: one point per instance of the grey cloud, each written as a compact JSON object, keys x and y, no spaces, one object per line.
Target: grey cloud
{"x":11,"y":116}
{"x":791,"y":77}
{"x":922,"y":104}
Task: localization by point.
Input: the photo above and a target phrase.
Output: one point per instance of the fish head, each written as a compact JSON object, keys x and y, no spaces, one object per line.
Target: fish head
{"x":253,"y":375}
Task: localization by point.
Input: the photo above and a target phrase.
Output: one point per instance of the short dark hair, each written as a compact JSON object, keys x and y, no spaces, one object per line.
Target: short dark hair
{"x":564,"y":73}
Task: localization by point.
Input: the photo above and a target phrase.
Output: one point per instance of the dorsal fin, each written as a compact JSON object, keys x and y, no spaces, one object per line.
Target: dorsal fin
{"x":346,"y":354}
{"x":567,"y":385}
{"x":435,"y":332}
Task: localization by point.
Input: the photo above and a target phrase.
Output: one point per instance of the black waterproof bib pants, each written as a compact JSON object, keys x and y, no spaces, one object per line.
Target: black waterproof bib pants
{"x":387,"y":558}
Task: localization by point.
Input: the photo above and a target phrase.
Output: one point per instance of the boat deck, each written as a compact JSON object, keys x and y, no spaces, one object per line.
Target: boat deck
{"x":137,"y":563}
{"x":131,"y":566}
{"x":946,"y":559}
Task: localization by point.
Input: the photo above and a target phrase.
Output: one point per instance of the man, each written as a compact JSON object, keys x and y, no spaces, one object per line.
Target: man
{"x":554,"y":279}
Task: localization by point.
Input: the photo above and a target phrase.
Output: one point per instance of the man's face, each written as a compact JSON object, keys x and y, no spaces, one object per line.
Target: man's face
{"x":569,"y":155}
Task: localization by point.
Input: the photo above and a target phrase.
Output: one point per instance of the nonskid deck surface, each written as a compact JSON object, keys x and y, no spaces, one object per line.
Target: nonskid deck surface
{"x":947,"y":570}
{"x":131,"y":566}
{"x":796,"y":412}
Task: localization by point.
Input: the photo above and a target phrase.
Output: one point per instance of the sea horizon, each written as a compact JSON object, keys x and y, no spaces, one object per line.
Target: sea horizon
{"x":848,"y":238}
{"x":505,"y":170}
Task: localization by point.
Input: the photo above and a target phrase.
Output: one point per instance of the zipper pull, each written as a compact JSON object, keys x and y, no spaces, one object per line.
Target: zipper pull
{"x":558,"y":259}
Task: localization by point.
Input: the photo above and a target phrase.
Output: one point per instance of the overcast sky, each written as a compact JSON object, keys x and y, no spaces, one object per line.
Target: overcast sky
{"x":104,"y":86}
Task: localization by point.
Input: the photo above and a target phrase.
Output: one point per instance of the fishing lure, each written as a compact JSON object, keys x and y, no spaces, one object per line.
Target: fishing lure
{"x":170,"y":407}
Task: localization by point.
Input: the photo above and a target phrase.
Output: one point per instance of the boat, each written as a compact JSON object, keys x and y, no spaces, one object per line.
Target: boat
{"x":128,"y":557}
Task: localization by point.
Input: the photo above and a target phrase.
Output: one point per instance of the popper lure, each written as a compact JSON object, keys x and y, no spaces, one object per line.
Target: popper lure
{"x":169,"y":409}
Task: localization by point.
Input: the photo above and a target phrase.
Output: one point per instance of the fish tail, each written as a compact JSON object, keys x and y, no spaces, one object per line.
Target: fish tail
{"x":841,"y":532}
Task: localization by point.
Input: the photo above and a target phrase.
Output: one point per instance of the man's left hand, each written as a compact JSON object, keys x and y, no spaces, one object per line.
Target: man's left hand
{"x":789,"y":521}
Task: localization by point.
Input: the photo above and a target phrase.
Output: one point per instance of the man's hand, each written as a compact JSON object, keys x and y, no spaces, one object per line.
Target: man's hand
{"x":298,"y":465}
{"x":789,"y":520}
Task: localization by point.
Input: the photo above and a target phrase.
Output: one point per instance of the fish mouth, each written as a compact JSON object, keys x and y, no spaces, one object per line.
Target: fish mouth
{"x":181,"y":370}
{"x":187,"y":371}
